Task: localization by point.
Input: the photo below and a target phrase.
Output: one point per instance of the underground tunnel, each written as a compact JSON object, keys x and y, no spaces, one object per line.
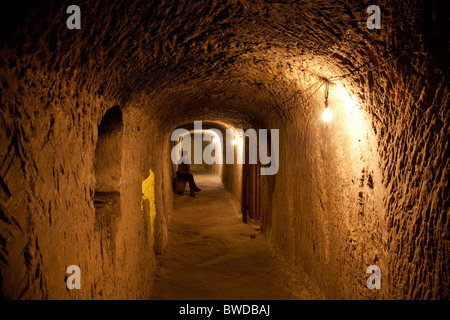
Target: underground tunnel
{"x":358,"y":99}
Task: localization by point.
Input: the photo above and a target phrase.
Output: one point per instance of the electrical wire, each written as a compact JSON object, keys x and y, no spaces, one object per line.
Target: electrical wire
{"x":354,"y":73}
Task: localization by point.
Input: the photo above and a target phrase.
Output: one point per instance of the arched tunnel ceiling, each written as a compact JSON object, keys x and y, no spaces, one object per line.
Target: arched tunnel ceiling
{"x":230,"y":63}
{"x":213,"y":59}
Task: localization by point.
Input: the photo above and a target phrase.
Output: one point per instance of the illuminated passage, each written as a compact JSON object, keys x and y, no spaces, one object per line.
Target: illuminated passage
{"x":213,"y":255}
{"x":318,"y":133}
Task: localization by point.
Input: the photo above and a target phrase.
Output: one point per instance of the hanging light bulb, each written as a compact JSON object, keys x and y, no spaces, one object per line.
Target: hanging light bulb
{"x":327,"y":115}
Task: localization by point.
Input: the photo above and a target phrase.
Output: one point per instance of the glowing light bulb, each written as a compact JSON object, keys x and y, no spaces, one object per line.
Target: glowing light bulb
{"x":234,"y":141}
{"x":327,"y":115}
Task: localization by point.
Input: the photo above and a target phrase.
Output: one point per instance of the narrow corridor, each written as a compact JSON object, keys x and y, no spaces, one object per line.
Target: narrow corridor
{"x":212,"y":255}
{"x":326,"y":121}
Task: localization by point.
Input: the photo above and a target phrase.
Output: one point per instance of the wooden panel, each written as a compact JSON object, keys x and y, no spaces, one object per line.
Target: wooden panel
{"x":251,"y":192}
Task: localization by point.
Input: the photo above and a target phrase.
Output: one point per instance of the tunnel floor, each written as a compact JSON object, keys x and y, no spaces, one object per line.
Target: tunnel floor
{"x":212,"y":256}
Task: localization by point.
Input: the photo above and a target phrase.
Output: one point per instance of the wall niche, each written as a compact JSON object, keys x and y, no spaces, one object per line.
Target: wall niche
{"x":108,"y":175}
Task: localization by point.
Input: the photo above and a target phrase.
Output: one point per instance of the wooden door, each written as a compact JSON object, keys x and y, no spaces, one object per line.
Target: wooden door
{"x":251,"y":192}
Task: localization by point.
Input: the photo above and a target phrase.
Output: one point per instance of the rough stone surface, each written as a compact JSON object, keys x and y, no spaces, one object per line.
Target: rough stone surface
{"x":371,"y":187}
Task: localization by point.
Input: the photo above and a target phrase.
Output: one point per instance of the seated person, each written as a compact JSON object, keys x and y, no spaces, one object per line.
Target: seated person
{"x":183,"y":173}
